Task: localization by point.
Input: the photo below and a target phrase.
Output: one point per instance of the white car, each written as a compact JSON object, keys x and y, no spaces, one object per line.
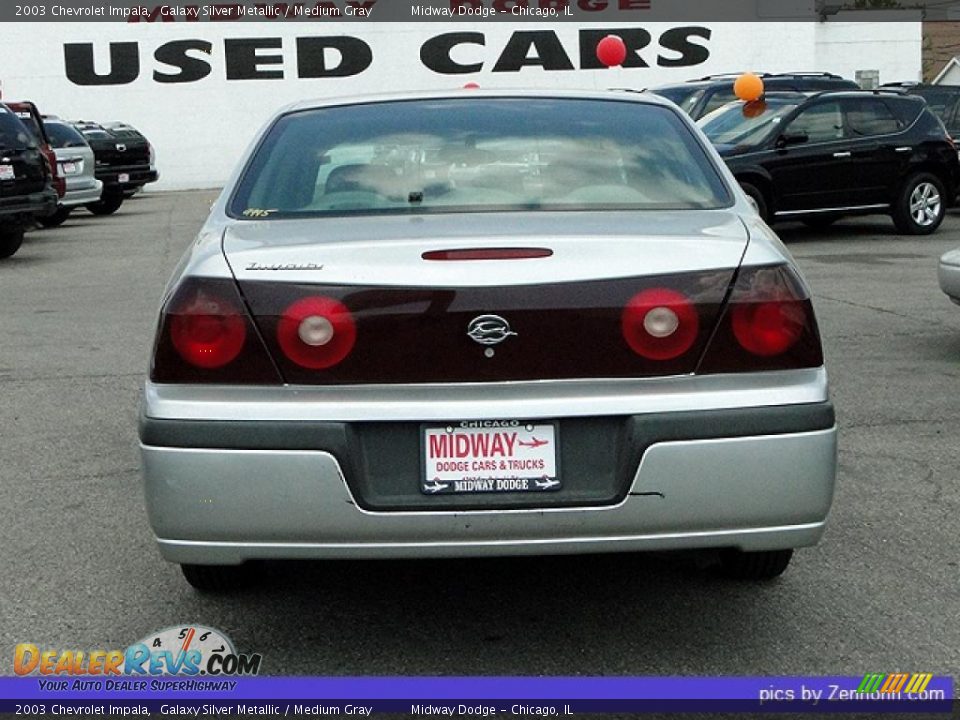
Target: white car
{"x":485,"y":323}
{"x":949,"y":275}
{"x":76,"y":164}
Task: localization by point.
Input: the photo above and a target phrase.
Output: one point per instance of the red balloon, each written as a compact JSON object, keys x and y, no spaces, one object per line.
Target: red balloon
{"x":611,"y":51}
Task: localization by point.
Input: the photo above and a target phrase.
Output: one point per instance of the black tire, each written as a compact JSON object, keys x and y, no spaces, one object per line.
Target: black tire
{"x":11,"y":238}
{"x":764,"y":565}
{"x":57,"y":219}
{"x":759,"y":198}
{"x":106,"y":205}
{"x":217,"y":578}
{"x":820,"y":222}
{"x":916,"y":198}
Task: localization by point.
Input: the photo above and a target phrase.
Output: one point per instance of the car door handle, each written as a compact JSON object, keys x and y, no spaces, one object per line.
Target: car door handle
{"x":903,"y":149}
{"x":841,"y":154}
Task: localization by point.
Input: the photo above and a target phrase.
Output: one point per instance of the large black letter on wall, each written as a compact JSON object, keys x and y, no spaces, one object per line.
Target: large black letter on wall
{"x":435,"y":53}
{"x":124,"y":64}
{"x":678,"y":40}
{"x":243,"y":62}
{"x":636,"y":39}
{"x":355,"y":56}
{"x":549,"y":52}
{"x":175,"y":53}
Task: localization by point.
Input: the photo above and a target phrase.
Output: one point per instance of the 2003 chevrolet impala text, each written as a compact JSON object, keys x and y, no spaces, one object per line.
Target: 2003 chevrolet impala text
{"x":485,"y":323}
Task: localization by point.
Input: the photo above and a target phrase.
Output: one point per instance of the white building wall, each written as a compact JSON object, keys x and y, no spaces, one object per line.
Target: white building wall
{"x":199,"y":128}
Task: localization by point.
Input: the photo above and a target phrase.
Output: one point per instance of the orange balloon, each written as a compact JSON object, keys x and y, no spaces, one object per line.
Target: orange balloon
{"x":748,"y":87}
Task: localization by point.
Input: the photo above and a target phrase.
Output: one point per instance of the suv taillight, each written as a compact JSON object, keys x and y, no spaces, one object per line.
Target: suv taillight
{"x":206,"y":336}
{"x":768,"y":324}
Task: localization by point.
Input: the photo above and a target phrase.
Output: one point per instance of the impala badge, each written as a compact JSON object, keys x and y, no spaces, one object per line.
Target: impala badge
{"x":489,"y":329}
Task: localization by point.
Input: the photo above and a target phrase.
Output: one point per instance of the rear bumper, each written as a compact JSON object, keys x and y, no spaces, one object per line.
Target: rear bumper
{"x":37,"y":205}
{"x":81,"y":193}
{"x":136,"y":177}
{"x":223,"y":491}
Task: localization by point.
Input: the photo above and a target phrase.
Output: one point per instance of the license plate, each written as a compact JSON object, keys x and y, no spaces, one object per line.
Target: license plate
{"x":6,"y":172}
{"x":489,"y":457}
{"x":68,"y":168}
{"x":123,"y":177}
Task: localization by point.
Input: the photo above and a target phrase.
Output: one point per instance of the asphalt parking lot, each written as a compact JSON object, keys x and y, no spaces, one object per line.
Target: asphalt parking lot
{"x":881,"y":593}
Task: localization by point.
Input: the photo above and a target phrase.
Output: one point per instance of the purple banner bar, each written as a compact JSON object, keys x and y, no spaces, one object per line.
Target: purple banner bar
{"x":485,"y":695}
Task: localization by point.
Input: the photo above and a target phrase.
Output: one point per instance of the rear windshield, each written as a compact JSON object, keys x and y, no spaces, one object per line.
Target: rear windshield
{"x":63,"y":136}
{"x":13,"y":134}
{"x":460,"y":155}
{"x":684,"y":96}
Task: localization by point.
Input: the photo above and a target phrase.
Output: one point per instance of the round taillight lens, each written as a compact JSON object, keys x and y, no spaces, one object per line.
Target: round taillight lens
{"x":316,"y":332}
{"x":768,"y":328}
{"x":208,"y":332}
{"x":660,"y":324}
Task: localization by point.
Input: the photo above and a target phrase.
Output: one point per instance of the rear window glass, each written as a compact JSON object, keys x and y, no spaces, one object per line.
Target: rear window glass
{"x":13,"y":134}
{"x":63,"y":136}
{"x":684,"y":97}
{"x":870,"y":116}
{"x":477,"y":155}
{"x":943,"y":102}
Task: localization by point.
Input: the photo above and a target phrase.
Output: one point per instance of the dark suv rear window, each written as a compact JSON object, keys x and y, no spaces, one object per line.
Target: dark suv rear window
{"x":458,"y":155}
{"x":63,"y":136}
{"x":871,"y":116}
{"x":13,"y":134}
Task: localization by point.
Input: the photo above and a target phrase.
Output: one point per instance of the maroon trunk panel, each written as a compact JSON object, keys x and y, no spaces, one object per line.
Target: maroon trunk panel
{"x":417,"y":335}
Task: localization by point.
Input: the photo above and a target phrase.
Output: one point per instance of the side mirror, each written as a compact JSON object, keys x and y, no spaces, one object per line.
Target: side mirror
{"x":794,"y":138}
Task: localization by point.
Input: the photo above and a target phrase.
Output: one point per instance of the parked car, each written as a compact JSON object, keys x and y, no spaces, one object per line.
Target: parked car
{"x":76,"y":164}
{"x":818,"y":158}
{"x":943,"y":101}
{"x":428,"y":325}
{"x":26,"y":192}
{"x":125,"y":163}
{"x":949,"y":275}
{"x":30,"y":116}
{"x":700,"y":97}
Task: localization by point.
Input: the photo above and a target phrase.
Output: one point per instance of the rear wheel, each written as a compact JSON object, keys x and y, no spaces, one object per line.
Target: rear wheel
{"x":57,"y":219}
{"x":763,"y":565}
{"x":920,"y":206}
{"x":106,"y":205}
{"x":11,"y":238}
{"x":756,"y":194}
{"x":217,"y":578}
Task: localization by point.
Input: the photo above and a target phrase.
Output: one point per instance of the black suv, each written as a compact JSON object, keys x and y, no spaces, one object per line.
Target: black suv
{"x":817,"y":158}
{"x":124,"y":160}
{"x":699,"y":97}
{"x":26,"y":192}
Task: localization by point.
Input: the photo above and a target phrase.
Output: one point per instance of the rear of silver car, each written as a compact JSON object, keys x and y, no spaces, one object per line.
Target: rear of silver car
{"x":662,"y":369}
{"x":77,"y":167}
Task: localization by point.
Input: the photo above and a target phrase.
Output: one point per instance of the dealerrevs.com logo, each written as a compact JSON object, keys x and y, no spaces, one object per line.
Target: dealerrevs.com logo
{"x":186,"y":650}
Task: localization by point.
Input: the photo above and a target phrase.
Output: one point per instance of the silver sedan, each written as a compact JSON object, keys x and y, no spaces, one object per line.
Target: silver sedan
{"x":77,"y":165}
{"x":485,"y":323}
{"x":949,"y":275}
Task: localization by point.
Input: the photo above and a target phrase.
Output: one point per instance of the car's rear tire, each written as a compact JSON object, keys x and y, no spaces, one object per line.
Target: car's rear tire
{"x":11,"y":238}
{"x":921,"y":205}
{"x":820,"y":222}
{"x":763,"y":565}
{"x":57,"y":219}
{"x":756,"y":194}
{"x":106,"y":205}
{"x":217,"y":578}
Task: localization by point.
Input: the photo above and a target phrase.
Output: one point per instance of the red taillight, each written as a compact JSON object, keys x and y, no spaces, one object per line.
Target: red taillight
{"x":208,"y":331}
{"x":660,"y":324}
{"x":768,"y":325}
{"x":768,"y":328}
{"x":206,"y":336}
{"x":316,"y":332}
